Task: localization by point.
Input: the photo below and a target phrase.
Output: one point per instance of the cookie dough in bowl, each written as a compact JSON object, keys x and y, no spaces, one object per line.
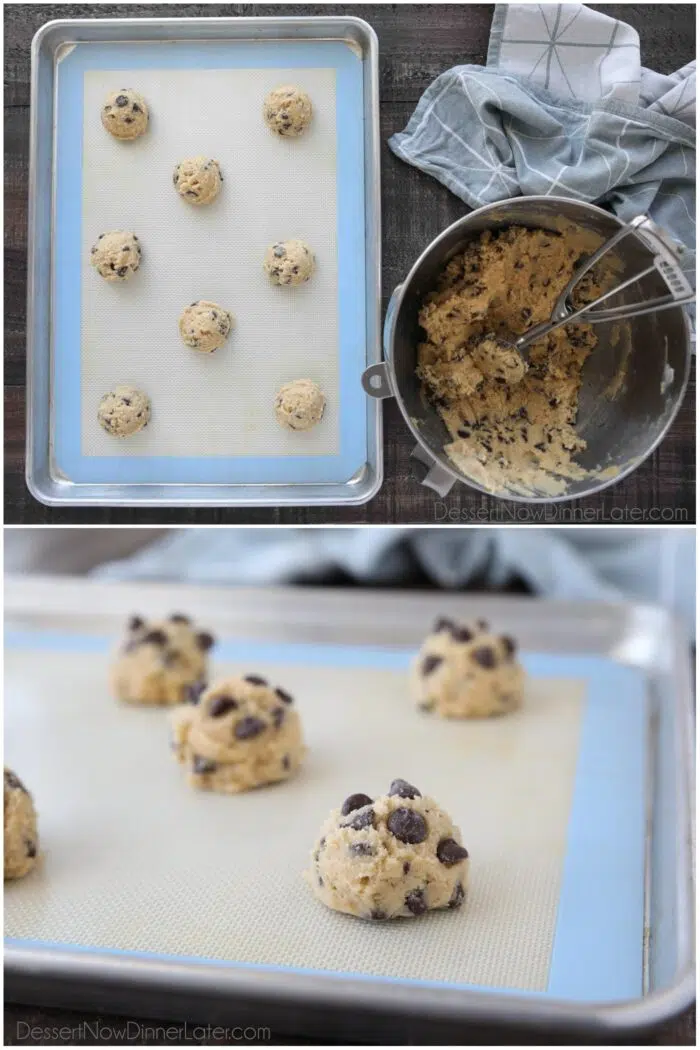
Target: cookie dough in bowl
{"x":289,"y":262}
{"x":239,"y":734}
{"x":21,"y":838}
{"x":300,"y":405}
{"x":124,"y":411}
{"x":396,"y":856}
{"x":161,"y":662}
{"x":198,"y":180}
{"x":288,"y":111}
{"x":467,"y":671}
{"x":116,"y":255}
{"x":205,"y":326}
{"x":125,"y":114}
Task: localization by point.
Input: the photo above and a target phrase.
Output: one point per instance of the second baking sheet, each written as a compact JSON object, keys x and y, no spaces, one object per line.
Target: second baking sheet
{"x":556,"y":883}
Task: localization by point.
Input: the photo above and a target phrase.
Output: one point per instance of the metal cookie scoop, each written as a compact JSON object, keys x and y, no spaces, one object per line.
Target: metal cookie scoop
{"x":667,"y":255}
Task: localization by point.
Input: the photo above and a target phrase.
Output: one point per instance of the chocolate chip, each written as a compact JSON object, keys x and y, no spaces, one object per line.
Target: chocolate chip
{"x":443,"y":624}
{"x":320,"y":881}
{"x":509,"y":645}
{"x":406,"y":867}
{"x":179,"y":618}
{"x":484,"y":657}
{"x":134,"y":623}
{"x":285,"y":697}
{"x":128,"y":120}
{"x":278,"y":716}
{"x":279,"y":251}
{"x":377,"y":914}
{"x":221,"y":705}
{"x":429,"y":664}
{"x":31,"y":848}
{"x":194,"y":691}
{"x":285,"y":762}
{"x":364,"y":819}
{"x":202,"y":765}
{"x":205,"y":640}
{"x":249,"y":727}
{"x":353,"y":802}
{"x":361,"y":849}
{"x":255,"y":679}
{"x":121,"y":101}
{"x":407,"y":826}
{"x":403,"y":789}
{"x":450,"y":852}
{"x":462,"y":634}
{"x":457,"y":897}
{"x":135,"y":108}
{"x":122,"y":271}
{"x":155,"y":638}
{"x":415,"y":902}
{"x":13,"y":781}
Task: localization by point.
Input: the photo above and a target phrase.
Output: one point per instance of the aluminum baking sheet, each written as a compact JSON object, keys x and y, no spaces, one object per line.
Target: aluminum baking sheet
{"x":553,"y":803}
{"x":213,"y":436}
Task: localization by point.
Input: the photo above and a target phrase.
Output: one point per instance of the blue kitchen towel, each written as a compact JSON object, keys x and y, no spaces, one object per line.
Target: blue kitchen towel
{"x":613,"y":564}
{"x":563,"y":107}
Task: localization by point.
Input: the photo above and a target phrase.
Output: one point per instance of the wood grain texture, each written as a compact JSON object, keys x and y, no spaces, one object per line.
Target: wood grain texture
{"x":416,"y":44}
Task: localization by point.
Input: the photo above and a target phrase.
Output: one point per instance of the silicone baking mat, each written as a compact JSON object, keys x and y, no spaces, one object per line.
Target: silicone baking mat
{"x":212,"y":414}
{"x":550,"y":801}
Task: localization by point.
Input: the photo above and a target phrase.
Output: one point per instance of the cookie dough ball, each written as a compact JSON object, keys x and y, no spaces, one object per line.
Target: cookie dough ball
{"x":288,"y":111}
{"x":289,"y":262}
{"x":205,"y":326}
{"x":501,"y":362}
{"x":198,"y":180}
{"x":239,"y":734}
{"x":161,"y":662}
{"x":116,"y":255}
{"x":299,"y":405}
{"x":21,"y":836}
{"x":398,"y":855}
{"x":466,"y":671}
{"x":125,"y":114}
{"x":124,"y":411}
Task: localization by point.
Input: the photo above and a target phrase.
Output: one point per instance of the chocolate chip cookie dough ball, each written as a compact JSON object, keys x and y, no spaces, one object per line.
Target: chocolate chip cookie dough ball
{"x":299,"y":405}
{"x":198,"y":180}
{"x":21,"y":839}
{"x":161,"y":662}
{"x":289,"y":262}
{"x":239,"y":734}
{"x":124,"y":411}
{"x":288,"y":111}
{"x":205,"y":326}
{"x":398,"y":855}
{"x":116,"y":255}
{"x":125,"y":114}
{"x":466,"y":671}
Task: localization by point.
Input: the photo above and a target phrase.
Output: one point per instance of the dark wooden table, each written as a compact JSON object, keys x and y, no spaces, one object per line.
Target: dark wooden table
{"x":416,"y":44}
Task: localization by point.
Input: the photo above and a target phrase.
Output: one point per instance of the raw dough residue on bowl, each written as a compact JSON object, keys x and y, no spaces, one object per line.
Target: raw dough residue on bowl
{"x":516,"y":437}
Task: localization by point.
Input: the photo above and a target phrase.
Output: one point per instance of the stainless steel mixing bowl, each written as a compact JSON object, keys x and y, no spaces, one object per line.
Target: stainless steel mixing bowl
{"x":620,"y":430}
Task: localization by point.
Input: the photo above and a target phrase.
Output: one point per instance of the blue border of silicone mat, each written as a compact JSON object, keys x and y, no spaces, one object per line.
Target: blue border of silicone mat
{"x":291,"y":469}
{"x":597,"y":955}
